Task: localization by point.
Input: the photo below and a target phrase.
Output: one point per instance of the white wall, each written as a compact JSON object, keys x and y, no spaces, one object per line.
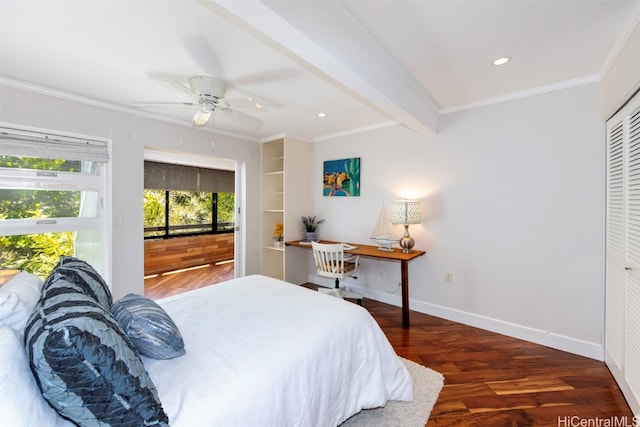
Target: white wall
{"x":130,"y":135}
{"x":514,"y":203}
{"x":623,"y":77}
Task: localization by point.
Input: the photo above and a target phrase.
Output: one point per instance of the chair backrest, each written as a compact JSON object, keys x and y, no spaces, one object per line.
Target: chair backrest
{"x":331,"y":262}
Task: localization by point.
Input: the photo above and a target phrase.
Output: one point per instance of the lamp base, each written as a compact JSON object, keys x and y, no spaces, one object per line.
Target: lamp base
{"x":406,"y":242}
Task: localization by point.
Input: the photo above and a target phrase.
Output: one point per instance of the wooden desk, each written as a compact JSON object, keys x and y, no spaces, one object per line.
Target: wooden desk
{"x":374,"y":252}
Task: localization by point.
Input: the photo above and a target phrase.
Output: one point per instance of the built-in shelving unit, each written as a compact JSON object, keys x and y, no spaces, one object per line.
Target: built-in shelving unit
{"x":285,"y":198}
{"x":272,"y":206}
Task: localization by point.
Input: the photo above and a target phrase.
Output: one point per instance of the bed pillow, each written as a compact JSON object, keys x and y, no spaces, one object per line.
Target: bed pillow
{"x":20,"y":400}
{"x":150,"y":328}
{"x":17,"y":298}
{"x":84,"y":364}
{"x":81,"y":276}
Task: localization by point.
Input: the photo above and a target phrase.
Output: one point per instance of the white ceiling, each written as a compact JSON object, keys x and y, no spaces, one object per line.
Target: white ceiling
{"x":366,"y":63}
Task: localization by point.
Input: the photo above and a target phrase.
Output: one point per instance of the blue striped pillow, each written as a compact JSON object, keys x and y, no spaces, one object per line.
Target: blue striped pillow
{"x":85,"y":365}
{"x":150,"y":328}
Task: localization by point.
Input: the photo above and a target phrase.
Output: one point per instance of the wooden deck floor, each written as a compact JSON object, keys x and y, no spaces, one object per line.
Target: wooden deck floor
{"x":490,"y":379}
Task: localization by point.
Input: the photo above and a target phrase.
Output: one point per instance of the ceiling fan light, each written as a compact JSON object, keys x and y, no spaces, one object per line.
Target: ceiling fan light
{"x":201,"y":117}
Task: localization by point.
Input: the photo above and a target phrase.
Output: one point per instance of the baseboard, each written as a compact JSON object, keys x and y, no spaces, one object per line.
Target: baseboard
{"x":537,"y":336}
{"x":627,"y":391}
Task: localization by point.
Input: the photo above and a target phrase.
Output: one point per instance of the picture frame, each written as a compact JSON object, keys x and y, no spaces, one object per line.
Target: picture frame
{"x":341,"y":177}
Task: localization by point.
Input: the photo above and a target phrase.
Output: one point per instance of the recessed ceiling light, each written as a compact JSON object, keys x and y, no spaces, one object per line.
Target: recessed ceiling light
{"x":322,"y":115}
{"x":501,"y":61}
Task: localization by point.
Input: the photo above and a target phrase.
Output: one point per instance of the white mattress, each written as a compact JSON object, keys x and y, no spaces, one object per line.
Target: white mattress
{"x":261,"y":352}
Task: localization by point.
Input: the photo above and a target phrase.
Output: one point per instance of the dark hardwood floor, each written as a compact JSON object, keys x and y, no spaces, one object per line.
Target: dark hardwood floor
{"x":158,"y":286}
{"x":490,"y":379}
{"x":495,"y":380}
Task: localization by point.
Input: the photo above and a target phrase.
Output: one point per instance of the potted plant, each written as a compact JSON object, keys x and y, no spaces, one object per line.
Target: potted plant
{"x":278,"y":235}
{"x":310,"y":223}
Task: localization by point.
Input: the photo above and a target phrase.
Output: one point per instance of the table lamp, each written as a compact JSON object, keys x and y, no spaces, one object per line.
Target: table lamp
{"x":406,"y":212}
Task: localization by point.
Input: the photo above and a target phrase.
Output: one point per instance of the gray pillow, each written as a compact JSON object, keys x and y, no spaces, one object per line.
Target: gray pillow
{"x":82,"y":277}
{"x":85,"y":365}
{"x":150,"y":328}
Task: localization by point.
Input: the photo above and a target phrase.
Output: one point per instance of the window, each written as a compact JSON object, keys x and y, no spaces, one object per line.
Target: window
{"x":52,"y":199}
{"x":184,"y":200}
{"x":174,"y":213}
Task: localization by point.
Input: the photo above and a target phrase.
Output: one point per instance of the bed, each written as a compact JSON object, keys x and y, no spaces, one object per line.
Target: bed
{"x":263,"y":352}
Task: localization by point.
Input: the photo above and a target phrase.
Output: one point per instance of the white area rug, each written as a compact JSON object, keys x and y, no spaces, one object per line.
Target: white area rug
{"x":427,"y":384}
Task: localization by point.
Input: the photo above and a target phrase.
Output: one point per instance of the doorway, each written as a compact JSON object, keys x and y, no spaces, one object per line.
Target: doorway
{"x":192,"y":221}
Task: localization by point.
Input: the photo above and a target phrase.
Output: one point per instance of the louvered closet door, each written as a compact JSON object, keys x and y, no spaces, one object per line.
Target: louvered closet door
{"x":632,"y":308}
{"x":622,"y":339}
{"x":616,"y":239}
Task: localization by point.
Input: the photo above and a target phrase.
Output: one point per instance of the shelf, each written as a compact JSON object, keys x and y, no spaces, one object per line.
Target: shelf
{"x":279,"y":180}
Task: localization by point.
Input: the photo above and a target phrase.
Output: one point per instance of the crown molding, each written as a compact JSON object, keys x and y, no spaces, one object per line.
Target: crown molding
{"x":567,"y":84}
{"x":66,"y":96}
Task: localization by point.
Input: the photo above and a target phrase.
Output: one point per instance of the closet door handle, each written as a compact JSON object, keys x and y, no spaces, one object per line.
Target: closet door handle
{"x":628,"y":269}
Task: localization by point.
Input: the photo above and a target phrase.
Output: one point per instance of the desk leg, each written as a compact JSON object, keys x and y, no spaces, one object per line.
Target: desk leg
{"x":404,"y":268}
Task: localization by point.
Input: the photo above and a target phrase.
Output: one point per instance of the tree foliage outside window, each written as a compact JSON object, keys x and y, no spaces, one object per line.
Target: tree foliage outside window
{"x":37,"y":253}
{"x":188,"y":212}
{"x":17,"y":204}
{"x":154,"y":212}
{"x":226,"y":213}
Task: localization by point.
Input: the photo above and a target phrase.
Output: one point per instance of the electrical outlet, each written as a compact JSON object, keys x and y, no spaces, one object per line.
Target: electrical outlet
{"x":448,"y":277}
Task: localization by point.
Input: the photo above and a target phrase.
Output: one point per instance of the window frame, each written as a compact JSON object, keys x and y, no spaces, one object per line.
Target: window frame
{"x":167,"y":227}
{"x":33,"y":179}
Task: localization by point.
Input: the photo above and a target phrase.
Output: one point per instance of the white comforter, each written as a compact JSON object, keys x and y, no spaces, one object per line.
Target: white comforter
{"x":261,"y":352}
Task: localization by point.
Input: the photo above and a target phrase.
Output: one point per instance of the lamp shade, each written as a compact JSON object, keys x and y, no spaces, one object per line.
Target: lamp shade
{"x":406,"y":212}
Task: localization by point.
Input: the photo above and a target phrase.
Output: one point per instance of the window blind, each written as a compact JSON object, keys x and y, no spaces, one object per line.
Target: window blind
{"x":165,"y":176}
{"x":45,"y":145}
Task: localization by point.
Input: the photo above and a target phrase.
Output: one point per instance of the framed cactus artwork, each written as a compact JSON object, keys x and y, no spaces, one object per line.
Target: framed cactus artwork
{"x":341,"y":178}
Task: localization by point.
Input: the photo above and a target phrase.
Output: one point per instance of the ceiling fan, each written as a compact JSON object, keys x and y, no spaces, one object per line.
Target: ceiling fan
{"x":209,"y":94}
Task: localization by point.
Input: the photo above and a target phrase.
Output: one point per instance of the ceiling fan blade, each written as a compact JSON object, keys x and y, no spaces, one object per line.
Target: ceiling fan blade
{"x":181,"y":88}
{"x":242,"y":118}
{"x":173,"y":81}
{"x":247,"y":103}
{"x":161,"y":104}
{"x":200,"y":50}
